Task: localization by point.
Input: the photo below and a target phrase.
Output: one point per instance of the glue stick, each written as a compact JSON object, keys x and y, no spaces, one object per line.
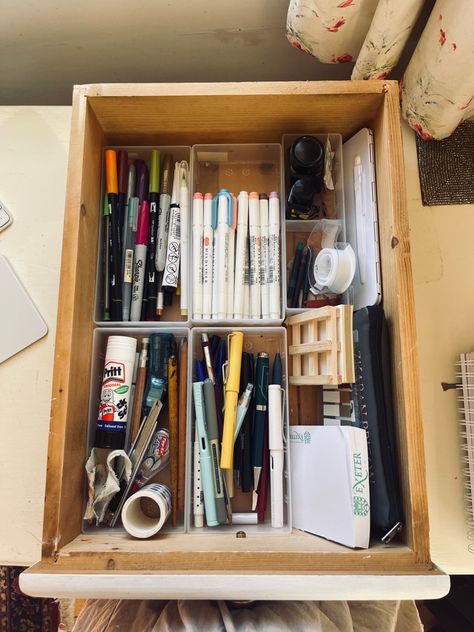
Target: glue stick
{"x":115,"y":393}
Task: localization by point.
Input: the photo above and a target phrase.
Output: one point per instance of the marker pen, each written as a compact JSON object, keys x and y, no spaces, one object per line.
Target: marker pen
{"x":151,"y":281}
{"x":274,"y":254}
{"x":264,"y":259}
{"x":241,"y":254}
{"x":115,"y":236}
{"x":254,"y":271}
{"x":140,"y":261}
{"x":197,"y":220}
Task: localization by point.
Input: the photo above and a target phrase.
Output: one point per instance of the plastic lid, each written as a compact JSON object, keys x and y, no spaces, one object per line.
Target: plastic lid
{"x":121,"y":347}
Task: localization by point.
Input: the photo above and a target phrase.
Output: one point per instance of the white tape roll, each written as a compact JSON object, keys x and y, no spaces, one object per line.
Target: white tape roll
{"x":334,"y":269}
{"x":136,"y":521}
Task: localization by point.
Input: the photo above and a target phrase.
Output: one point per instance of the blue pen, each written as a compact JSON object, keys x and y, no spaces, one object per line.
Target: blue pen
{"x":206,"y":459}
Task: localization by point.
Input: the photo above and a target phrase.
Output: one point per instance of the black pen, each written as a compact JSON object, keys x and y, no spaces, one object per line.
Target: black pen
{"x":152,"y":274}
{"x":115,"y":237}
{"x":122,"y":169}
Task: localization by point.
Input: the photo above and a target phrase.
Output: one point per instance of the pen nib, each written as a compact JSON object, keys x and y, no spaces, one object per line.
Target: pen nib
{"x":254,"y":500}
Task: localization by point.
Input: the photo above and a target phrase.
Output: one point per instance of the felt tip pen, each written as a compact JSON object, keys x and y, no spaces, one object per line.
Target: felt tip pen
{"x":122,"y":166}
{"x":106,"y":258}
{"x":163,"y":227}
{"x":197,"y":221}
{"x":207,"y":258}
{"x":171,"y":272}
{"x":129,"y":254}
{"x":184,"y":237}
{"x":274,"y":283}
{"x":255,"y":251}
{"x":241,"y":253}
{"x":153,"y":197}
{"x":140,"y":261}
{"x":115,"y":236}
{"x":264,"y":256}
{"x":130,"y":194}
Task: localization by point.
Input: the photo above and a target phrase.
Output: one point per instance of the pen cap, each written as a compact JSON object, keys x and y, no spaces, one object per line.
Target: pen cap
{"x":154,"y":171}
{"x":143,"y":227}
{"x":111,"y":171}
{"x":131,"y":181}
{"x":141,"y":180}
{"x":235,"y":361}
{"x":122,"y":171}
{"x":166,"y":174}
{"x":275,"y":417}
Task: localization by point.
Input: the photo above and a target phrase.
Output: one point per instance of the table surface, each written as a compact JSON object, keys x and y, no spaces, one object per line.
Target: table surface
{"x":33,"y":157}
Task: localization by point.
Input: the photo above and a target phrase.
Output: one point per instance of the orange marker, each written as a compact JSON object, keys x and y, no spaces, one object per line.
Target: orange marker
{"x":115,"y":255}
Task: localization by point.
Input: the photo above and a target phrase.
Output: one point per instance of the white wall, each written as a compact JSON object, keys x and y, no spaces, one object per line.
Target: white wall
{"x":46,"y":46}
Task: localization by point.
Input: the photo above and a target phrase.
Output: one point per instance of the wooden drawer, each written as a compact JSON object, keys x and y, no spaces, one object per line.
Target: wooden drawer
{"x":294,"y":565}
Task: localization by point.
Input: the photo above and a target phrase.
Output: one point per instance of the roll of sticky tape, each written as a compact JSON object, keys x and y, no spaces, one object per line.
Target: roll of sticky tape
{"x":137,"y":521}
{"x":334,"y":269}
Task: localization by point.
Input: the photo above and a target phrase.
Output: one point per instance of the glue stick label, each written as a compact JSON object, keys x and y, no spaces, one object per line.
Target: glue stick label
{"x":114,"y":397}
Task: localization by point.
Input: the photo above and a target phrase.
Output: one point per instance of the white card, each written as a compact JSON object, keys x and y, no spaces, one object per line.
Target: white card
{"x":330,"y":483}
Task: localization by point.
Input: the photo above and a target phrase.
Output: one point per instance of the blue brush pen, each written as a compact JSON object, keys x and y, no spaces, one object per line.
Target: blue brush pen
{"x":206,"y":459}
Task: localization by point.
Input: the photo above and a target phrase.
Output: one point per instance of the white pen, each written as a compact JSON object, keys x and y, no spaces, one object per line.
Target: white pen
{"x":275,"y":445}
{"x":274,"y":254}
{"x":221,"y":211}
{"x":171,"y":272}
{"x":264,"y":269}
{"x":360,"y":218}
{"x":197,"y":273}
{"x":184,"y":245}
{"x":231,"y":258}
{"x":207,"y":257}
{"x":198,"y":495}
{"x":241,"y":254}
{"x":254,"y":273}
{"x":163,"y":227}
{"x":242,"y":407}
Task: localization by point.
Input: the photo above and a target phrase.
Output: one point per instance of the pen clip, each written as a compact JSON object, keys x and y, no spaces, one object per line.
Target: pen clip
{"x":283,"y":425}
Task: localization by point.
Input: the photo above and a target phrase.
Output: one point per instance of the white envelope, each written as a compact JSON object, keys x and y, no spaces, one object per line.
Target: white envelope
{"x":330,"y":483}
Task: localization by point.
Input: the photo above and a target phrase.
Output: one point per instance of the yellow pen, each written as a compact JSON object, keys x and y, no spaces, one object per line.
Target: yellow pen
{"x":231,"y":397}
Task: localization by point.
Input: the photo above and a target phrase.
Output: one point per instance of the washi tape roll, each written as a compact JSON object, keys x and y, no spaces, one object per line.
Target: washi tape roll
{"x":140,"y":522}
{"x":334,"y":269}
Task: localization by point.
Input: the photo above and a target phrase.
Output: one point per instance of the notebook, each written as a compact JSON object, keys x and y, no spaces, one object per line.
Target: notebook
{"x":466,"y":407}
{"x":330,"y":483}
{"x":361,"y":218}
{"x":20,"y":322}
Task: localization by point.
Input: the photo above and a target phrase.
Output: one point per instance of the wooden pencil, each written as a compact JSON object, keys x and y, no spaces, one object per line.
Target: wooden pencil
{"x":183,"y":377}
{"x":173,"y":427}
{"x":139,"y":390}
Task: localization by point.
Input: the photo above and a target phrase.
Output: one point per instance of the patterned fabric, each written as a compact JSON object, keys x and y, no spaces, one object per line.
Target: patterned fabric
{"x":20,"y":613}
{"x":437,"y":90}
{"x":388,"y":33}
